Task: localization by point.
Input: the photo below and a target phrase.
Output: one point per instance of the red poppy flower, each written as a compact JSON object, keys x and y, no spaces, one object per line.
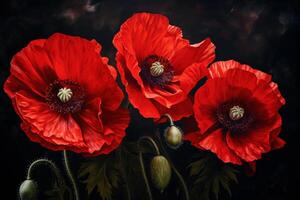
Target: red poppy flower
{"x":66,"y":95}
{"x":237,"y":113}
{"x":158,"y":67}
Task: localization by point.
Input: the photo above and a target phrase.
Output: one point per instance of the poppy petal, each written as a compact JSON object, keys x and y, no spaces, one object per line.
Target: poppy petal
{"x":216,"y":142}
{"x":177,"y":111}
{"x":62,"y":130}
{"x":232,"y":83}
{"x":265,"y":94}
{"x":192,"y":75}
{"x":115,"y":124}
{"x":155,"y":36}
{"x":12,"y":85}
{"x":32,"y":68}
{"x":34,"y":137}
{"x":275,"y":141}
{"x":207,"y":100}
{"x":170,"y":95}
{"x":250,"y":146}
{"x":91,"y":126}
{"x":220,"y":68}
{"x":69,"y":54}
{"x":37,"y":71}
{"x":136,"y":98}
{"x":203,"y":52}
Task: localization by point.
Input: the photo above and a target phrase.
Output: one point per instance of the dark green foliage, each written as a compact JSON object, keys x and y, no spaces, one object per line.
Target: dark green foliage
{"x":211,"y":178}
{"x":101,"y":173}
{"x":118,"y":171}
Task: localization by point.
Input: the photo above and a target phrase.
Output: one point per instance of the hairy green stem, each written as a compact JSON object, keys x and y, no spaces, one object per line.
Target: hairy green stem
{"x":49,"y":164}
{"x":70,"y":175}
{"x":149,"y":139}
{"x":168,"y":117}
{"x":181,"y":180}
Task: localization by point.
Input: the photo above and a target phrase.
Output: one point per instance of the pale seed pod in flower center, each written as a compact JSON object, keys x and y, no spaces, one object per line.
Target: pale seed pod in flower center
{"x":236,"y":113}
{"x":157,"y":69}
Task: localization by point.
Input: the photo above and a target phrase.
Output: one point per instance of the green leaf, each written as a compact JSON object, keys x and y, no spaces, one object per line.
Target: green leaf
{"x":57,"y":192}
{"x":101,"y":173}
{"x":216,"y":187}
{"x":196,"y":167}
{"x":211,"y":178}
{"x":226,"y":187}
{"x":118,"y":171}
{"x":133,"y":169}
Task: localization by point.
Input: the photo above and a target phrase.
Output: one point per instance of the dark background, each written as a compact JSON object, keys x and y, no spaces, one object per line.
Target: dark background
{"x":263,"y":34}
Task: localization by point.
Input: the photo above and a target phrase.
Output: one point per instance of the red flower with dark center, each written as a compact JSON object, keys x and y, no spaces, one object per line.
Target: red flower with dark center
{"x":158,"y":67}
{"x":236,"y":112}
{"x":66,"y":95}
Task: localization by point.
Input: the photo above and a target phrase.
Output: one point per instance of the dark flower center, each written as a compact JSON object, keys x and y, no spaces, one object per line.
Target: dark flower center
{"x":65,"y":96}
{"x":234,"y":117}
{"x":156,"y":71}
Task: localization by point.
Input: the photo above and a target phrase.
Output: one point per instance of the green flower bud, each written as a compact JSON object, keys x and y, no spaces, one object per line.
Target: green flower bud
{"x":160,"y":172}
{"x":173,"y":137}
{"x":28,"y":190}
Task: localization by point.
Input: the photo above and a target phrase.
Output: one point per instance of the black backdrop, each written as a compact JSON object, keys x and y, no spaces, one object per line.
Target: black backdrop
{"x":263,"y":34}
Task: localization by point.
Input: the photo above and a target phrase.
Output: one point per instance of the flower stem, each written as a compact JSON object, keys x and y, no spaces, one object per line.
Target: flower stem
{"x":181,"y":180}
{"x":70,"y":175}
{"x":149,"y":139}
{"x":168,"y":117}
{"x":47,"y":163}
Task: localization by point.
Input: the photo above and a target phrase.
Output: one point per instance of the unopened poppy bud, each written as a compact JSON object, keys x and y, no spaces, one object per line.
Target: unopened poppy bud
{"x":28,"y":190}
{"x":160,"y":172}
{"x":173,"y":137}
